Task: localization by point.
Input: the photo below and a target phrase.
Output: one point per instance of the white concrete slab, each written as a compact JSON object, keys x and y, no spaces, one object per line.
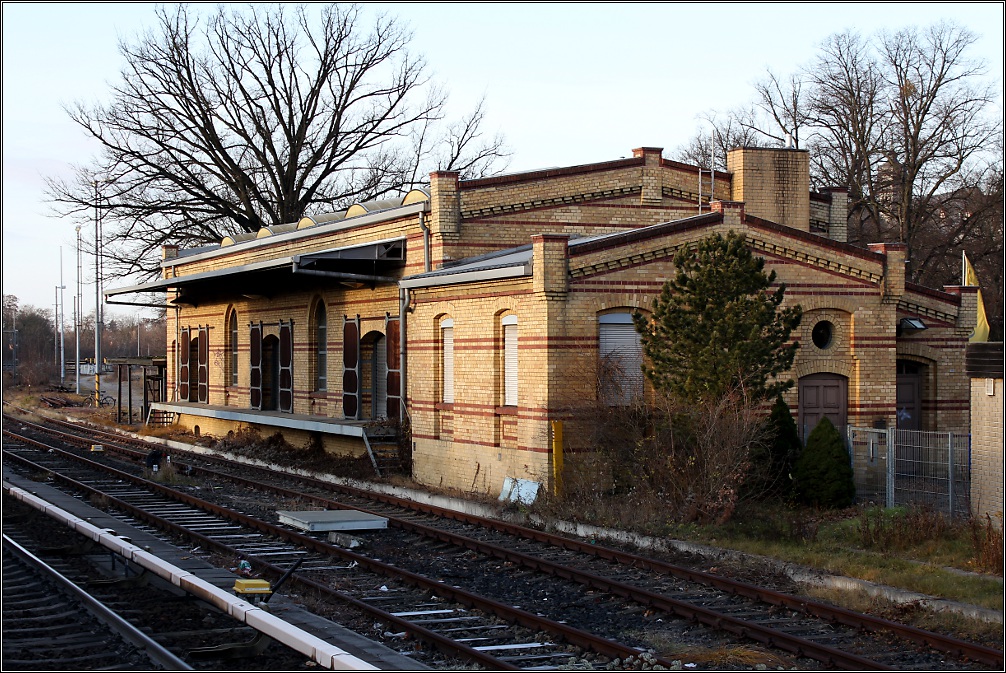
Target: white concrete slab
{"x":332,"y":519}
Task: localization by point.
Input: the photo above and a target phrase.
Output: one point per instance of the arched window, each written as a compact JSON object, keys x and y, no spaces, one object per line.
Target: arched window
{"x":232,"y":347}
{"x":447,"y":360}
{"x":510,"y":377}
{"x":620,"y":351}
{"x":320,"y":347}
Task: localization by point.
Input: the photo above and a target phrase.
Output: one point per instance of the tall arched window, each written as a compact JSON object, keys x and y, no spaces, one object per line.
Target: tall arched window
{"x":447,"y":360}
{"x":320,"y":347}
{"x":232,"y":347}
{"x":510,"y":377}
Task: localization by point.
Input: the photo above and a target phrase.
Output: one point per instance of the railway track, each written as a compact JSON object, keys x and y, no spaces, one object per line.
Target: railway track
{"x":447,"y":618}
{"x":73,"y":605}
{"x":640,"y":594}
{"x":52,"y":624}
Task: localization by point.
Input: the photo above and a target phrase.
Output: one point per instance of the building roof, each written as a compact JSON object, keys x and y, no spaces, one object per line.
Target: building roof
{"x":510,"y":263}
{"x":344,"y":264}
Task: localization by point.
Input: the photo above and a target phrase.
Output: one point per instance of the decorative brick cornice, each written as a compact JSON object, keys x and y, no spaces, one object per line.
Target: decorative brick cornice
{"x":825,"y":263}
{"x":532,"y":176}
{"x":552,"y":202}
{"x":935,"y":294}
{"x":644,"y":233}
{"x":634,"y":259}
{"x":684,"y":195}
{"x":926,"y":311}
{"x":775,"y":246}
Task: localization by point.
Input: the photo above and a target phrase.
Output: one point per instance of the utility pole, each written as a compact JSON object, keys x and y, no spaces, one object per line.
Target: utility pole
{"x":76,"y":315}
{"x":62,"y":318}
{"x":55,"y":329}
{"x":97,"y":301}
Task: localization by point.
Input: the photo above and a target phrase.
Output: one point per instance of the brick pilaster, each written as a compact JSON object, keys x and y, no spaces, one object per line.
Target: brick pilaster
{"x":895,"y":257}
{"x":652,"y":177}
{"x":550,"y":263}
{"x":445,"y":213}
{"x":733,"y":212}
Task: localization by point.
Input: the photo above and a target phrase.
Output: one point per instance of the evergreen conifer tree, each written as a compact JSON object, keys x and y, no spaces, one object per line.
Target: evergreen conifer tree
{"x":822,"y":474}
{"x":772,"y":462}
{"x":717,"y":328}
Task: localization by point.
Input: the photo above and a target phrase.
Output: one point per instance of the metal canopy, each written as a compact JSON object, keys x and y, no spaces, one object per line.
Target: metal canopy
{"x":353,"y":265}
{"x":380,"y":250}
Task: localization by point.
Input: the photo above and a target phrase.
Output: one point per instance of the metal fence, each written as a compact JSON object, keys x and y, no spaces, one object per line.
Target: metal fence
{"x":901,"y":467}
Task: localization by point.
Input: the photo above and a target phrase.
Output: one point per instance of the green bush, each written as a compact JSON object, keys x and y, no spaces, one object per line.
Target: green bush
{"x":822,"y":475}
{"x":772,"y":462}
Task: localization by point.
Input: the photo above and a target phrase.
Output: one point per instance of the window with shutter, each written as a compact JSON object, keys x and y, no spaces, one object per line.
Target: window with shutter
{"x":392,"y":341}
{"x":233,"y":347}
{"x":286,"y":366}
{"x":203,"y":371}
{"x":184,"y":346}
{"x":351,"y":368}
{"x":255,"y":364}
{"x":320,"y":348}
{"x":510,"y":377}
{"x":620,"y":353}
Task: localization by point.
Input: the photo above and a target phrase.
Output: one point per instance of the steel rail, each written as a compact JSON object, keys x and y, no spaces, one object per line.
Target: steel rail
{"x":816,"y":609}
{"x":157,"y":653}
{"x":442,"y":643}
{"x":763,"y":634}
{"x":513,"y":615}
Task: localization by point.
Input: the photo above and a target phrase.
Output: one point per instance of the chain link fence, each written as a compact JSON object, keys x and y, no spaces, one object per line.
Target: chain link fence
{"x":902,"y":467}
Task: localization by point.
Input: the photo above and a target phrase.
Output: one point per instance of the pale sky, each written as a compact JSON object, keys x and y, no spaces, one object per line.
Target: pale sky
{"x":565,"y":83}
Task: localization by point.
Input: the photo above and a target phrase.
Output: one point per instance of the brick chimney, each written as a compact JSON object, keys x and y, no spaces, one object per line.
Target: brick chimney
{"x":445,"y":211}
{"x":773,"y":183}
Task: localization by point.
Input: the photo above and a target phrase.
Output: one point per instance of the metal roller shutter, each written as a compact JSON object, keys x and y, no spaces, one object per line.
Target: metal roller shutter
{"x":621,"y":353}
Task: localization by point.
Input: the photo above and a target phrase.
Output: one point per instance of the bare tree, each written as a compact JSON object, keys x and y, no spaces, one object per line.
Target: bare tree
{"x":847,"y":123}
{"x":905,"y":121}
{"x":785,"y":105}
{"x":939,"y":125}
{"x":240,"y":119}
{"x":724,"y":133}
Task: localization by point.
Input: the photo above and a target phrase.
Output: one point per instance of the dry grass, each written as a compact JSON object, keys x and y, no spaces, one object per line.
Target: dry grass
{"x":952,"y":623}
{"x":987,"y":540}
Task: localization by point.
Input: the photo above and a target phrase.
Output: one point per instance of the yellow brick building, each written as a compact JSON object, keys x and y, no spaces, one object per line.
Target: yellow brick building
{"x":481,"y":311}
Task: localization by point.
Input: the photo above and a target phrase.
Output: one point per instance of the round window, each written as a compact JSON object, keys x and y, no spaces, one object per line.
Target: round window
{"x":822,"y":334}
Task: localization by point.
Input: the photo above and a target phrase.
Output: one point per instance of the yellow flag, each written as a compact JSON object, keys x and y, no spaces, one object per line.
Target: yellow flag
{"x":970,"y":279}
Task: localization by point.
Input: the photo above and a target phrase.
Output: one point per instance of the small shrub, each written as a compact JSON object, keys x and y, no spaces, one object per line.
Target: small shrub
{"x":822,"y":474}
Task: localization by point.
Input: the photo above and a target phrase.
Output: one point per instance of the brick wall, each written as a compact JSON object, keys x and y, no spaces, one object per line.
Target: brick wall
{"x":474,"y":443}
{"x":987,"y":467}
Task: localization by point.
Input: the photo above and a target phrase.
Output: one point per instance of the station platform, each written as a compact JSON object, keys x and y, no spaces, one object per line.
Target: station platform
{"x":381,"y":656}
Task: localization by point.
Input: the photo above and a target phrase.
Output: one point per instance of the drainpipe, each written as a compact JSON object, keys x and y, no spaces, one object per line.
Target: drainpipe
{"x":403,"y":303}
{"x":178,"y":335}
{"x":426,"y":241}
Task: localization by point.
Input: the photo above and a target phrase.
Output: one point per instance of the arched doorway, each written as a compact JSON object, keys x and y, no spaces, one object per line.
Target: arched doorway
{"x":909,"y":394}
{"x":193,"y":370}
{"x":822,"y":396}
{"x":373,"y":376}
{"x":270,"y":373}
